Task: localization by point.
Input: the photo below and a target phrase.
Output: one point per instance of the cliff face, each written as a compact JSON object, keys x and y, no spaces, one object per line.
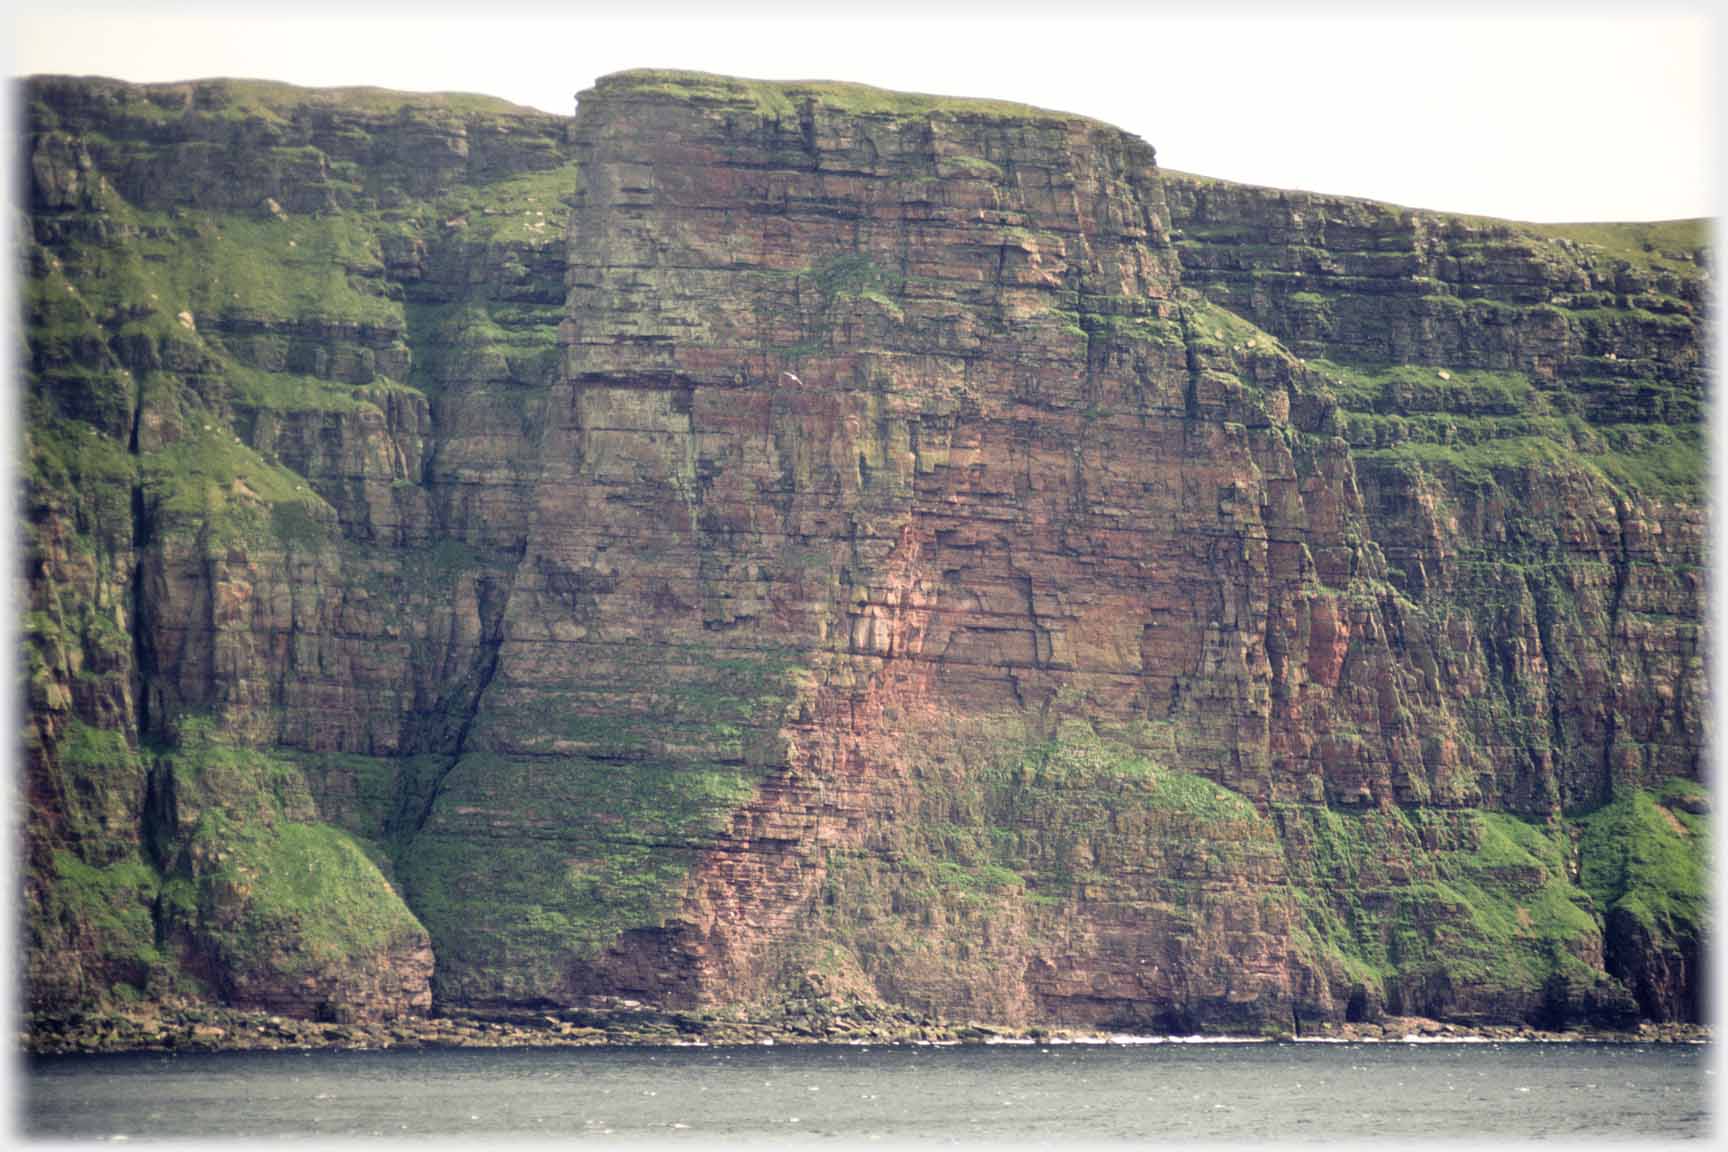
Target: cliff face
{"x":769,"y":542}
{"x":286,"y":352}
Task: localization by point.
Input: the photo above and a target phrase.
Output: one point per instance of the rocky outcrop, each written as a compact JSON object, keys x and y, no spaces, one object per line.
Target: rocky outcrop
{"x":760,"y":543}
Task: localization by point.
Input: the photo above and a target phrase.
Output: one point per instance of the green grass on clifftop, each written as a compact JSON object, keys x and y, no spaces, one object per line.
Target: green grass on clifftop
{"x":1667,"y":243}
{"x":224,"y":97}
{"x":783,"y":97}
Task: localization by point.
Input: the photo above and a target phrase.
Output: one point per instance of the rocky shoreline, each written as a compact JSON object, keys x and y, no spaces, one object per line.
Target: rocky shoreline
{"x":204,"y":1029}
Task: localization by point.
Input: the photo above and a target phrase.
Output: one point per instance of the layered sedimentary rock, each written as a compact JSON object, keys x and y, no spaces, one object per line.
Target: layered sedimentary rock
{"x":251,"y":310}
{"x":769,"y":541}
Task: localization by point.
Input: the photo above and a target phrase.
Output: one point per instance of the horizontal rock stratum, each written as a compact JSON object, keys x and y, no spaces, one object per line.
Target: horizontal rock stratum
{"x":759,"y":544}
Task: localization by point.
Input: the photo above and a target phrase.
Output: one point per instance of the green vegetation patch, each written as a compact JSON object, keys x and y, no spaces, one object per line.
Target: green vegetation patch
{"x":1481,"y":901}
{"x":234,"y":100}
{"x":1215,"y":331}
{"x":1647,"y":855}
{"x":1411,"y":388}
{"x":210,"y":773}
{"x":1467,"y":427}
{"x":526,"y":209}
{"x":113,"y":901}
{"x":326,"y":267}
{"x":157,"y":264}
{"x":1674,"y":244}
{"x":993,"y":855}
{"x":1527,"y":919}
{"x":72,"y":464}
{"x":706,"y":704}
{"x":209,"y":479}
{"x":482,"y":340}
{"x":254,"y":876}
{"x":288,"y":391}
{"x":528,"y":862}
{"x":781,"y":99}
{"x":974,"y":166}
{"x":579,"y":810}
{"x":293,"y":898}
{"x":101,"y":779}
{"x":270,"y":95}
{"x":1663,"y":460}
{"x":1477,"y":464}
{"x":839,"y":282}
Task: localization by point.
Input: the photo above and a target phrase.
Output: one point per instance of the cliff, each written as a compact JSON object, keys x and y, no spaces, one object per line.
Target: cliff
{"x":758,"y":544}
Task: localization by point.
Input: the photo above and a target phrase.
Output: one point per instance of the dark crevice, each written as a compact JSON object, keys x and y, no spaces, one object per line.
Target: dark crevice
{"x":1545,"y":596}
{"x":143,"y":657}
{"x":160,"y":816}
{"x":1622,"y":572}
{"x":487,"y":671}
{"x":1191,"y":388}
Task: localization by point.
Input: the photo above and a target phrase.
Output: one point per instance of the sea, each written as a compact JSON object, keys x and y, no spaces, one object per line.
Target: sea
{"x":1037,"y":1093}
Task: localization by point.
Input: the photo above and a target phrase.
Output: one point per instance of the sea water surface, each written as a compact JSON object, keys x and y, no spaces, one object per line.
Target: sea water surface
{"x":1038,"y":1093}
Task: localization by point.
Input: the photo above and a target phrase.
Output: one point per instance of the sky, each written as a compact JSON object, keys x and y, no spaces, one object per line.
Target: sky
{"x":1529,"y":112}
